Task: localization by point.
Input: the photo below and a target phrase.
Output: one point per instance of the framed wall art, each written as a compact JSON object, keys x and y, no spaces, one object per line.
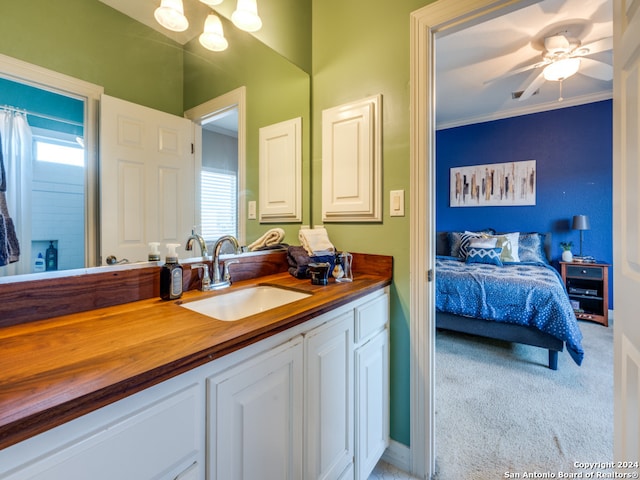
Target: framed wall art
{"x":493,"y":184}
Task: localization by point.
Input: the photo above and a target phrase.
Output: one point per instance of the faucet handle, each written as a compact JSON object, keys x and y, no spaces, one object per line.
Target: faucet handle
{"x":226,"y":275}
{"x":206,"y":280}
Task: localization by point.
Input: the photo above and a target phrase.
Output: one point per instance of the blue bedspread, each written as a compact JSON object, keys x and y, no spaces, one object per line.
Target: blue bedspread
{"x":522,"y":293}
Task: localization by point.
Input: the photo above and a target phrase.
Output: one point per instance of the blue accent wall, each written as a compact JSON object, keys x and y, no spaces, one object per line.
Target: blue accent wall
{"x":573,"y":152}
{"x":46,"y":103}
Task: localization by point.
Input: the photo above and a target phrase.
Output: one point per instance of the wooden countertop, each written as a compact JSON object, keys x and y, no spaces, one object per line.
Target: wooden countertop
{"x":57,"y":369}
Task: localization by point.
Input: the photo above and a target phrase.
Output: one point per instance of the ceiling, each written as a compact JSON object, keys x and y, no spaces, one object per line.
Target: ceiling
{"x":468,"y":58}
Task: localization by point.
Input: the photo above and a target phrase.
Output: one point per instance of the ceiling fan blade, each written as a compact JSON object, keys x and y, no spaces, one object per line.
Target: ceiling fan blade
{"x":596,"y":69}
{"x":533,"y":83}
{"x":602,"y":45}
{"x":518,"y":70}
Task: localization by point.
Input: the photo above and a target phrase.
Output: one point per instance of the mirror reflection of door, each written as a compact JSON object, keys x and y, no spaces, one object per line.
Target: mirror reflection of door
{"x":44,"y":164}
{"x":219,"y":175}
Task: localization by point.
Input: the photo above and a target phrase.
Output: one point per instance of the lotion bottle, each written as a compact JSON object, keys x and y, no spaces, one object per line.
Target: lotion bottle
{"x":171,"y":275}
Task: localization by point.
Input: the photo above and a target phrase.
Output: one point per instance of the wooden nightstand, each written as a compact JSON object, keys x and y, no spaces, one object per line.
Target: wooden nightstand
{"x":588,"y":288}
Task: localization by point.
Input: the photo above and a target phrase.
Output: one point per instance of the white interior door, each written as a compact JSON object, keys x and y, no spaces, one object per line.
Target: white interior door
{"x":147,"y":174}
{"x":626,"y":229}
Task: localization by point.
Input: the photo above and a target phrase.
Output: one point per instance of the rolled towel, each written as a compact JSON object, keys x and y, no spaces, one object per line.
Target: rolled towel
{"x":316,"y":241}
{"x":272,"y":237}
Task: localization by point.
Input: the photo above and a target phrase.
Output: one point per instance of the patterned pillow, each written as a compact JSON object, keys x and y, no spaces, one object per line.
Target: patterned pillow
{"x":484,"y":255}
{"x":459,"y":242}
{"x":531,"y":248}
{"x":509,"y":244}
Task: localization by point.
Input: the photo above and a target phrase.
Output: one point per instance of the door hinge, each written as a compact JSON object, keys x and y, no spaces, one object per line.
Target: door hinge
{"x":193,"y":149}
{"x":430,"y":275}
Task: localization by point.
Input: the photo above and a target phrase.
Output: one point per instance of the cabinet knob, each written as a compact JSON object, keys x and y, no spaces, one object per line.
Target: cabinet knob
{"x":584,"y":272}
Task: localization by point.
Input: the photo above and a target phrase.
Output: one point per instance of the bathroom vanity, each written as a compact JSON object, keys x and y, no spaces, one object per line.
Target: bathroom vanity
{"x":149,"y":389}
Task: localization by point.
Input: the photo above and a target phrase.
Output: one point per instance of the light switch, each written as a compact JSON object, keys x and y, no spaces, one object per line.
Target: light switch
{"x":396,"y":203}
{"x":252,"y":210}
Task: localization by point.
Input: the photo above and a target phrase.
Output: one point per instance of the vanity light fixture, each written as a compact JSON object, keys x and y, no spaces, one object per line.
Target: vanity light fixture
{"x":170,"y":14}
{"x":245,"y":17}
{"x":212,"y":3}
{"x":213,"y":37}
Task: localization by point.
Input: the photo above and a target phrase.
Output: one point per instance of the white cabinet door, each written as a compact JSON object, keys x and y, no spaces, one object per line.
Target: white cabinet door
{"x":372,"y":403}
{"x":255,"y":417}
{"x":329,"y":398}
{"x":152,"y":435}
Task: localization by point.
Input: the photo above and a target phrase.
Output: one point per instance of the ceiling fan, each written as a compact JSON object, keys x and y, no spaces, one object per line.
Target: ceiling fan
{"x":564,"y":56}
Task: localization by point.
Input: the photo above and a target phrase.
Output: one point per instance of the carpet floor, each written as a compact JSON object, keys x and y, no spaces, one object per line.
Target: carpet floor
{"x":501,"y":411}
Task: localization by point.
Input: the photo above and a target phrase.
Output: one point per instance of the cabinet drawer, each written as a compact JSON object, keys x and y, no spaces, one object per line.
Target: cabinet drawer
{"x":584,"y":272}
{"x":371,"y":317}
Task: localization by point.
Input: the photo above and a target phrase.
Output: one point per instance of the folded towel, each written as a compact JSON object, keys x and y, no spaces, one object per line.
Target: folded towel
{"x":299,"y":260}
{"x":272,"y":237}
{"x":316,"y":241}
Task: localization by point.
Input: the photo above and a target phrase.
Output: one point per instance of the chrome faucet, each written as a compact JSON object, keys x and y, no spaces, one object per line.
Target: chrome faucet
{"x":223,"y":280}
{"x":201,"y":242}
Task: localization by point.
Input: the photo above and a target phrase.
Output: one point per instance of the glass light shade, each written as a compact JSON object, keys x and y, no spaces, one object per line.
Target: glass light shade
{"x":561,"y":69}
{"x":213,"y":37}
{"x":246,"y":16}
{"x":170,"y":14}
{"x":212,"y":3}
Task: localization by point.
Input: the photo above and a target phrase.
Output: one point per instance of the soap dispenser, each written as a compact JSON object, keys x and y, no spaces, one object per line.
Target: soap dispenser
{"x":171,"y":275}
{"x":154,"y":253}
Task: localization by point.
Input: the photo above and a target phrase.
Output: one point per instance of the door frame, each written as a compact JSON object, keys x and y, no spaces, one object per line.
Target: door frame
{"x":438,"y":18}
{"x":199,"y":115}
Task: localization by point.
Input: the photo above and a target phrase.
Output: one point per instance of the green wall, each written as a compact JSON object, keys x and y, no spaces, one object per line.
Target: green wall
{"x":277,"y":90}
{"x":361,"y":48}
{"x":90,"y":41}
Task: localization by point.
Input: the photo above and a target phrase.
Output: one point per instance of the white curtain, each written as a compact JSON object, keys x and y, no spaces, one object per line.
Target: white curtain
{"x":16,"y":138}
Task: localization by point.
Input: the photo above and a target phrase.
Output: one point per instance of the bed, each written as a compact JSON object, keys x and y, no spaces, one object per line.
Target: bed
{"x":517,"y":297}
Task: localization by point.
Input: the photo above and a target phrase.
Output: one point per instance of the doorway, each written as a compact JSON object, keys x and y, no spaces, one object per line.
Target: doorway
{"x":426,"y":24}
{"x":220,"y":165}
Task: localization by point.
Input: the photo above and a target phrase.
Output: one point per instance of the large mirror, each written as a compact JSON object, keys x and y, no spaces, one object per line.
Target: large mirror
{"x":88,"y":40}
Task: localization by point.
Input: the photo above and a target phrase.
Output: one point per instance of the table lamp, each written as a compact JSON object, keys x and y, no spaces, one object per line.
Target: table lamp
{"x":581,"y":222}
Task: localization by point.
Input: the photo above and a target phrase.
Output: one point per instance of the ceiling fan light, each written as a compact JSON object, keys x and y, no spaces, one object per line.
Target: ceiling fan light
{"x":213,"y":37}
{"x":212,"y":3}
{"x":170,"y":14}
{"x":245,"y":17}
{"x":561,"y":69}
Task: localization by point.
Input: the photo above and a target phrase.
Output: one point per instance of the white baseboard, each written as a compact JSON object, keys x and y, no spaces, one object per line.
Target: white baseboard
{"x":398,"y":455}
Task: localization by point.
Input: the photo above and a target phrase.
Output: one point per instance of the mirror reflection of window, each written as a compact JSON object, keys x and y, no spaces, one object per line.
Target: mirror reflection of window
{"x":219,"y":176}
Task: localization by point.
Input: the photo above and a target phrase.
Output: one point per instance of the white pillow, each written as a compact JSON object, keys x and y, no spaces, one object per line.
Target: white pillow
{"x":483,"y":242}
{"x":509,"y":244}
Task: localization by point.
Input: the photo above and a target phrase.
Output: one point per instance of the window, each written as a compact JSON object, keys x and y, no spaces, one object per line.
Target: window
{"x":219,"y":198}
{"x":58,"y":151}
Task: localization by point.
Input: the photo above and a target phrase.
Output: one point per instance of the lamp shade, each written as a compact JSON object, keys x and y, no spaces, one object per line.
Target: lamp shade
{"x":170,"y":14}
{"x":212,"y":3}
{"x":581,"y":222}
{"x":561,"y":69}
{"x":245,"y":17}
{"x":213,"y":37}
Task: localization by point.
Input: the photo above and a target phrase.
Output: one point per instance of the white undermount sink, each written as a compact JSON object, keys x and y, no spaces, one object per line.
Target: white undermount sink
{"x":239,"y":304}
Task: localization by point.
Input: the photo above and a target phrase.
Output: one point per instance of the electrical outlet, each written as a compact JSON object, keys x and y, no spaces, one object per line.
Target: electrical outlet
{"x":252,"y":210}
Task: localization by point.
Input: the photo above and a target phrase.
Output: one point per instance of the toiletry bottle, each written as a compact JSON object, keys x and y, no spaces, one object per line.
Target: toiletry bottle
{"x":39,"y":264}
{"x":154,"y":253}
{"x":171,"y":275}
{"x":51,"y":255}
